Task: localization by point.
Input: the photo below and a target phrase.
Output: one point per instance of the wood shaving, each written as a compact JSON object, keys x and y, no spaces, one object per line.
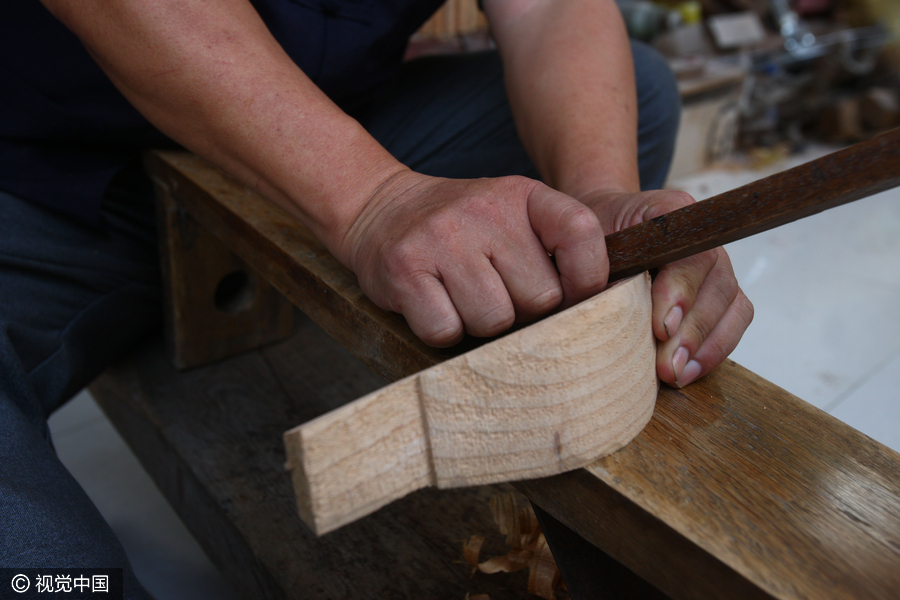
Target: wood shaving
{"x":528,"y":549}
{"x":471,"y":550}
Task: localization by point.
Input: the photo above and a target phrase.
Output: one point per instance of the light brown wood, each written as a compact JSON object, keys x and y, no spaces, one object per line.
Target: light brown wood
{"x":546,"y":399}
{"x":211,"y":439}
{"x":738,"y":490}
{"x":732,"y":476}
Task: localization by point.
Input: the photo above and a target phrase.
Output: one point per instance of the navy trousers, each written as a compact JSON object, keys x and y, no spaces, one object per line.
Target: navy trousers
{"x":73,"y":298}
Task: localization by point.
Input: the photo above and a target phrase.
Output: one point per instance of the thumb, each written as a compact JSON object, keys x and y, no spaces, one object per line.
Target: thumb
{"x":661,"y":202}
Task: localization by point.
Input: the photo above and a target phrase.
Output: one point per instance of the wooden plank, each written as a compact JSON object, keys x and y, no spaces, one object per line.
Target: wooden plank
{"x":688,"y":538}
{"x":287,"y":255}
{"x":752,"y":491}
{"x":211,"y":439}
{"x":548,"y":398}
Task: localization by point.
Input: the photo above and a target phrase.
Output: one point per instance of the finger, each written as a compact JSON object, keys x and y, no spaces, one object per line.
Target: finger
{"x":715,"y":296}
{"x":479,"y":296}
{"x":430,"y":312}
{"x":531,"y":280}
{"x":663,"y":202}
{"x":571,"y":232}
{"x":718,"y":292}
{"x":680,"y":368}
{"x":676,"y":286}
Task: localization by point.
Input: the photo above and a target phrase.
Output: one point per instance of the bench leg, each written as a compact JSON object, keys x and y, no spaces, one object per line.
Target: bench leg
{"x":215,"y":305}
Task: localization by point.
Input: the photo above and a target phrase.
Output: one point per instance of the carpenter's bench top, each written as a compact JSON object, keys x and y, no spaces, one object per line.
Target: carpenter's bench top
{"x":736,"y":489}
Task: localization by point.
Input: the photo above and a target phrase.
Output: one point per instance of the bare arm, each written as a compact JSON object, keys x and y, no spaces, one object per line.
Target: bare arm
{"x":569,"y":75}
{"x":210,"y":75}
{"x":451,"y":256}
{"x":571,"y":81}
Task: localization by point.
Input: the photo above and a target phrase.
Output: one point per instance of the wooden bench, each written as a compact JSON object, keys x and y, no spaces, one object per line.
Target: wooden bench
{"x":736,"y":489}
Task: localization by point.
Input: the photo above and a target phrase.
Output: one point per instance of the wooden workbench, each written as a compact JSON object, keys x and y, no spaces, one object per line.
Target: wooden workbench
{"x":736,"y":489}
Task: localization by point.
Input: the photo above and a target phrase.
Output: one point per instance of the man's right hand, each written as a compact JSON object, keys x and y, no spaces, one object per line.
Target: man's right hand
{"x":472,"y":256}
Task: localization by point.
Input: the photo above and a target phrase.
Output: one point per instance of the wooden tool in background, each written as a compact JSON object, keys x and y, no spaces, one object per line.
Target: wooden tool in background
{"x":563,"y":392}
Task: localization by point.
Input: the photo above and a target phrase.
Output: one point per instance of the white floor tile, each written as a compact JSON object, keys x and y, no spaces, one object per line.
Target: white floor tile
{"x":874,"y":408}
{"x":826,"y":290}
{"x":164,"y":555}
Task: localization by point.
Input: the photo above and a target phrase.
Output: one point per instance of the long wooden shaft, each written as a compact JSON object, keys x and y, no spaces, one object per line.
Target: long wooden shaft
{"x":838,"y":178}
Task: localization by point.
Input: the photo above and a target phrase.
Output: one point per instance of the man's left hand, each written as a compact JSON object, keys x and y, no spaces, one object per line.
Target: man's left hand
{"x":699,"y":311}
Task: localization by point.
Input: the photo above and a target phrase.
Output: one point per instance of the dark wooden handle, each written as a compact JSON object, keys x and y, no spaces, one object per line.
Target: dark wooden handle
{"x":838,"y":178}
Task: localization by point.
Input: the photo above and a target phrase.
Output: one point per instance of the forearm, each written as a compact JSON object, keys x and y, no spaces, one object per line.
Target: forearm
{"x":570,"y":79}
{"x":214,"y":79}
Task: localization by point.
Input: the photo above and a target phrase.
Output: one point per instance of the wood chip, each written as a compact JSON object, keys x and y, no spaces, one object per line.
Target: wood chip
{"x":543,"y":576}
{"x":528,"y":548}
{"x":472,"y":548}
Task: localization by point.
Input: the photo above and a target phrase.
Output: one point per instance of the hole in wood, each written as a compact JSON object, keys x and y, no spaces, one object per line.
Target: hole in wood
{"x":236,"y":292}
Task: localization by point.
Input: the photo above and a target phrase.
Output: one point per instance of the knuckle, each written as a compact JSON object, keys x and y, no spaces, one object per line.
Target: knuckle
{"x":543,"y":302}
{"x":716,"y":352}
{"x":699,"y":331}
{"x":446,"y":334}
{"x":681,"y":198}
{"x":493,"y":322}
{"x":745,"y":308}
{"x":519,"y":183}
{"x":580,"y":221}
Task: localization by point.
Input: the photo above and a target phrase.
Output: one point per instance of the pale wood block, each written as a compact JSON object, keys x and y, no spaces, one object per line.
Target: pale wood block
{"x":546,"y":399}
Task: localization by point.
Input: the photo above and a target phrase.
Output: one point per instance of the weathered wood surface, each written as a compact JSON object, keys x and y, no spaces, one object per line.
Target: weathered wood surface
{"x":287,"y":255}
{"x":214,"y":305}
{"x":838,"y":178}
{"x":546,"y":399}
{"x":741,"y":490}
{"x":211,"y":439}
{"x":832,"y":492}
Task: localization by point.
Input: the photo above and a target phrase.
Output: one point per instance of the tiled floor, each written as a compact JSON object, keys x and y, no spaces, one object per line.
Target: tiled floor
{"x":827,"y":296}
{"x":826,"y":291}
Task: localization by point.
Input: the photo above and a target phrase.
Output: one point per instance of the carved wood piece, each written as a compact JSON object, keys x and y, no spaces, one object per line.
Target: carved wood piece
{"x":743,"y":491}
{"x":543,"y":400}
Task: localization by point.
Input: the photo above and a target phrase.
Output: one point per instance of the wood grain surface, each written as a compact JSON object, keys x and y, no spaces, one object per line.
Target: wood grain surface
{"x":735,"y":489}
{"x":211,"y":439}
{"x":743,"y":491}
{"x":543,"y":400}
{"x":206,"y":319}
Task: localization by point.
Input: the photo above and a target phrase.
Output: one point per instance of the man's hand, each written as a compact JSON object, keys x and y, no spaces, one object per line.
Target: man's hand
{"x":699,"y":312}
{"x":456,"y":256}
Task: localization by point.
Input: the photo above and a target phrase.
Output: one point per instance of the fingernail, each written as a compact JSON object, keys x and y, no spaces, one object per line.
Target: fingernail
{"x":679,"y":360}
{"x":673,"y":320}
{"x":690,"y":373}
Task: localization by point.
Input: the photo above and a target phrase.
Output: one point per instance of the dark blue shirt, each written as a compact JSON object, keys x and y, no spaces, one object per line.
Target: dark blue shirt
{"x":65,"y":130}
